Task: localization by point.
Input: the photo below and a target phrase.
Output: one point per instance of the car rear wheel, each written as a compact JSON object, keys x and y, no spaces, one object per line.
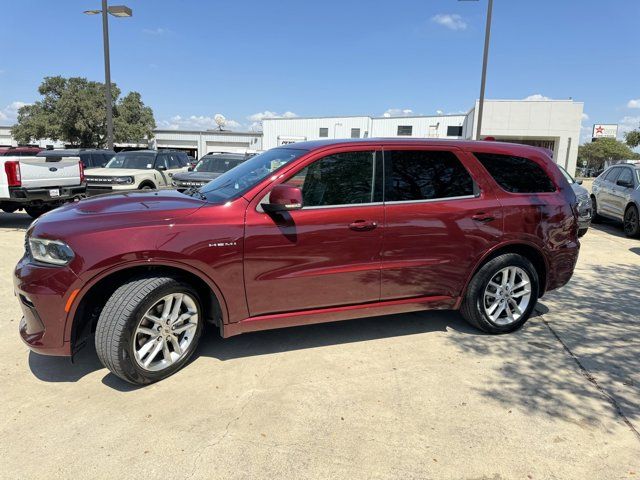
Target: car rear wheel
{"x":502,"y":294}
{"x":631,"y":224}
{"x":35,"y":212}
{"x":149,"y":329}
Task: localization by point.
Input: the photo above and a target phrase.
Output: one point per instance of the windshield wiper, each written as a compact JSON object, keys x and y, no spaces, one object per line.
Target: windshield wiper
{"x":195,"y":192}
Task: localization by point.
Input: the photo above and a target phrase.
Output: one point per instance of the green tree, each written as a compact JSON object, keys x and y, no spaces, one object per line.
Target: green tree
{"x":594,"y":154}
{"x":633,"y":138}
{"x":73,"y":110}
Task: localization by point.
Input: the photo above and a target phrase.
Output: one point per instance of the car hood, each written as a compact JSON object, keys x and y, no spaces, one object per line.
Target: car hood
{"x":579,"y":190}
{"x":196,"y":176}
{"x":117,"y":210}
{"x":116,"y":172}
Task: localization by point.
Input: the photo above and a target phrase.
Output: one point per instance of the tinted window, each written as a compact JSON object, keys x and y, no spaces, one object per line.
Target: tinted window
{"x":324,"y":132}
{"x":612,"y":175}
{"x":340,"y":179}
{"x":405,"y":130}
{"x":216,"y":164}
{"x":454,"y":131}
{"x":135,"y":160}
{"x":626,"y":175}
{"x":174,"y":162}
{"x":516,"y":174}
{"x":424,"y":175}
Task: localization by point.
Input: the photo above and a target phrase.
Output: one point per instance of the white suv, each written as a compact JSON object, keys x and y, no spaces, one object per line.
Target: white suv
{"x":137,"y":170}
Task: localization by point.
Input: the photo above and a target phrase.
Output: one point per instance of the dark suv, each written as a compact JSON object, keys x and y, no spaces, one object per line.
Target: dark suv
{"x":209,"y":167}
{"x":305,"y":233}
{"x":90,"y":157}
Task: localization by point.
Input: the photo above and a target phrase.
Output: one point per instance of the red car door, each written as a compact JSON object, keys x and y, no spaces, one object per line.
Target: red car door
{"x":327,"y":253}
{"x":438,"y":221}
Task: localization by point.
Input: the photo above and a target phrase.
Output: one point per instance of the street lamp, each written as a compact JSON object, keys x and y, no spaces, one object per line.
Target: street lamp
{"x":485,"y":57}
{"x":116,"y":11}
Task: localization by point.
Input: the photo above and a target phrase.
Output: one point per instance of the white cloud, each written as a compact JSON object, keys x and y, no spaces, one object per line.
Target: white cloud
{"x":634,"y":103}
{"x":398,"y":112}
{"x":452,"y":21}
{"x":155,"y":31}
{"x":195,"y":122}
{"x":536,"y":96}
{"x":626,"y":124}
{"x":9,"y":114}
{"x":585,"y":116}
{"x":256,"y":118}
{"x":439,"y":112}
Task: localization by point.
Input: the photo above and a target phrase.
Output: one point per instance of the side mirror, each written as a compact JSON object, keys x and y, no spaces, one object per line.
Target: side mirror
{"x":624,"y":183}
{"x":190,"y":169}
{"x":161,"y":168}
{"x":283,"y":198}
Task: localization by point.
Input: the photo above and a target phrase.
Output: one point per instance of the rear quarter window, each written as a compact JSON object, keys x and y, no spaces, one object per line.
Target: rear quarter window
{"x":516,"y":174}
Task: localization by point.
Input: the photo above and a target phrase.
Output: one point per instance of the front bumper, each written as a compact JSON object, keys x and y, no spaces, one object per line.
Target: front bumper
{"x":42,"y":292}
{"x":97,"y":189}
{"x":35,"y":196}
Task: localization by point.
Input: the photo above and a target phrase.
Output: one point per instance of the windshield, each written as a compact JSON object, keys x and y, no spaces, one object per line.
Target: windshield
{"x":135,"y":160}
{"x":569,"y":178}
{"x":246,"y":175}
{"x":217,"y":164}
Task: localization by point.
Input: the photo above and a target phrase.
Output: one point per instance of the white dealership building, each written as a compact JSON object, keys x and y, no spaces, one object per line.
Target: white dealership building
{"x":554,"y":124}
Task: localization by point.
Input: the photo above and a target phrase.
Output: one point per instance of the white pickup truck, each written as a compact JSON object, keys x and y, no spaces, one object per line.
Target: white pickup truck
{"x":37,"y":185}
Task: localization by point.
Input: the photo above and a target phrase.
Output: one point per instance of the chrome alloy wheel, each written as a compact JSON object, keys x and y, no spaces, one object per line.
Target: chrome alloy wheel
{"x":165,"y":332}
{"x":507,"y":295}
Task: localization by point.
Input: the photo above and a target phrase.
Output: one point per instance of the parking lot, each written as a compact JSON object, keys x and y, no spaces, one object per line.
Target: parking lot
{"x":409,"y":396}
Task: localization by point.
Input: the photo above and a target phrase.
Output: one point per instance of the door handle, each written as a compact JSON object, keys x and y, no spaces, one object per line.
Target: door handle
{"x":362,"y":225}
{"x":482,"y":217}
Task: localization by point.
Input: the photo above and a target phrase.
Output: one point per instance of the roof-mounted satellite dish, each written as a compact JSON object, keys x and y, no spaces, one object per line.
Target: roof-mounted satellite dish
{"x":220,"y":120}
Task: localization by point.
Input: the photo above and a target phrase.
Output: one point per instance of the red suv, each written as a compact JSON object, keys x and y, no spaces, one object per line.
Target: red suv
{"x":305,"y":233}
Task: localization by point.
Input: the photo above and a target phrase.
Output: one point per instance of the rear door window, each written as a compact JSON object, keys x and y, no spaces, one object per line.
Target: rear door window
{"x":516,"y":174}
{"x":413,"y":175}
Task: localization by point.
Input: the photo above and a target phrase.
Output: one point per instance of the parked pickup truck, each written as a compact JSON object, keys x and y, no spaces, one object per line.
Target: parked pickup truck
{"x":37,"y":186}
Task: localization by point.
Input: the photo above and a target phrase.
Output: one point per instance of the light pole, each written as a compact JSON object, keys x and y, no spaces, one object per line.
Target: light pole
{"x":485,"y":57}
{"x":116,"y":11}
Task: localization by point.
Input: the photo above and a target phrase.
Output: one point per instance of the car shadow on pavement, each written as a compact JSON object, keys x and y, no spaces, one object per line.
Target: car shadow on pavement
{"x":592,"y":361}
{"x":60,"y":369}
{"x":609,"y":226}
{"x":14,"y":221}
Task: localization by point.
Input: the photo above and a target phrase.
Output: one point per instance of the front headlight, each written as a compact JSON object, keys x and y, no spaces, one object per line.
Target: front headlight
{"x":123,"y":180}
{"x":584,"y":200}
{"x":50,"y":251}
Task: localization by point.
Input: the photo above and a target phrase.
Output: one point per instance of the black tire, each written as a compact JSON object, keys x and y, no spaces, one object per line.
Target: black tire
{"x":472,"y":308}
{"x":35,"y":212}
{"x":582,"y":232}
{"x":594,"y":206}
{"x":146,"y":186}
{"x":120,"y":317}
{"x":631,"y":223}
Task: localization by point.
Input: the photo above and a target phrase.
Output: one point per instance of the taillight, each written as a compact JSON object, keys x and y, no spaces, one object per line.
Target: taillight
{"x":81,"y":165}
{"x":12,"y":169}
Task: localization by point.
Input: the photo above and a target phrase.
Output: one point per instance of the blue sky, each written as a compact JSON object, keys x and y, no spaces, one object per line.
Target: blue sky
{"x":192,"y":59}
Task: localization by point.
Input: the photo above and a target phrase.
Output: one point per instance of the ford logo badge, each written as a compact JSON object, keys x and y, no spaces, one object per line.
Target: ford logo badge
{"x":53,"y":169}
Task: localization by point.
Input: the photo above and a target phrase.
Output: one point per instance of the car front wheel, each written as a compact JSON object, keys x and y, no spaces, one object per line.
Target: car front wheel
{"x":148,"y":329}
{"x":631,"y":224}
{"x":502,"y":294}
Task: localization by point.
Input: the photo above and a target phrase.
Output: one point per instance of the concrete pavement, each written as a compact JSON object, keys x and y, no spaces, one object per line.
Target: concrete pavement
{"x":408,"y":396}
